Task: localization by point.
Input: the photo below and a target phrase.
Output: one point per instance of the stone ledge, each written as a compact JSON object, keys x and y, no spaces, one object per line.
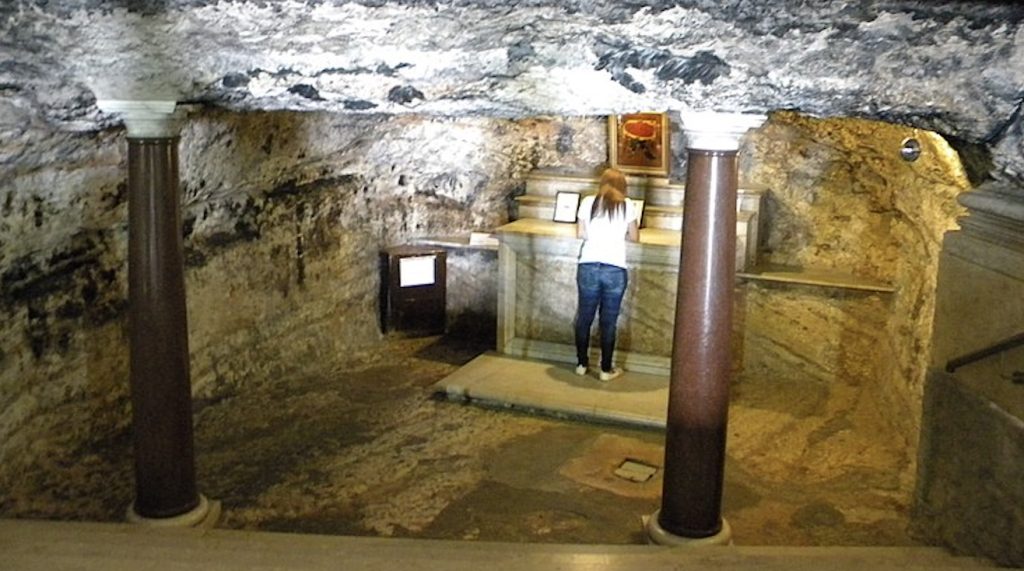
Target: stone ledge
{"x":460,"y":242}
{"x":34,"y":545}
{"x":815,"y":277}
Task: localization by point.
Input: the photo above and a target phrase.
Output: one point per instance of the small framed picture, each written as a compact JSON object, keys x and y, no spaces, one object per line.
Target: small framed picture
{"x":638,"y":143}
{"x":639,"y":206}
{"x":566,"y":205}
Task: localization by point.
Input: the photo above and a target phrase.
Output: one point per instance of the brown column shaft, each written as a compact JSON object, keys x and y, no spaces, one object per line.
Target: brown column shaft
{"x":161,"y":391}
{"x":699,"y":382}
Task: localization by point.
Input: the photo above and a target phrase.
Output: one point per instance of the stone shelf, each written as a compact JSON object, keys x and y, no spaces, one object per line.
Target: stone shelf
{"x":459,"y":242}
{"x":814,"y":277}
{"x":655,"y":216}
{"x":568,"y":230}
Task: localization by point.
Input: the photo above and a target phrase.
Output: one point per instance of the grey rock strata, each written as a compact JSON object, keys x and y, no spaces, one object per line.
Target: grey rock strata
{"x":953,"y":67}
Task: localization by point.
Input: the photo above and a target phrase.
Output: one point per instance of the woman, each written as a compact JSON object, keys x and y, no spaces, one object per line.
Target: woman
{"x":605,"y":221}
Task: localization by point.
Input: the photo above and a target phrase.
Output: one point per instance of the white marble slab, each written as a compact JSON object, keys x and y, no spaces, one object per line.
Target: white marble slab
{"x":634,"y":398}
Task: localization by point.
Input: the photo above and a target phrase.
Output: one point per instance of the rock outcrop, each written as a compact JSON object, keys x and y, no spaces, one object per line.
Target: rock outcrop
{"x":956,"y":68}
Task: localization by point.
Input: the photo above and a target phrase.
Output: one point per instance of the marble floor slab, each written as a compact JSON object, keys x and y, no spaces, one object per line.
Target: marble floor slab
{"x":635,"y":399}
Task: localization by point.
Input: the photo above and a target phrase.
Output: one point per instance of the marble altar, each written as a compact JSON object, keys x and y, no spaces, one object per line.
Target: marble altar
{"x":537,"y":272}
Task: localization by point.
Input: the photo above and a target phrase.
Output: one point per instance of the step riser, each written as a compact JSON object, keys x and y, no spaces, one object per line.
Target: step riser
{"x":46,"y":546}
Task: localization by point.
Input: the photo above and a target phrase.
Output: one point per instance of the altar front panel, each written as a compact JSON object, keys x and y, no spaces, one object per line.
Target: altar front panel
{"x":546,"y":301}
{"x":538,"y":298}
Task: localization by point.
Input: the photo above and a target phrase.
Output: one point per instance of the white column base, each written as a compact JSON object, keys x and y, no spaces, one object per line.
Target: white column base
{"x":660,"y":536}
{"x":204,"y":515}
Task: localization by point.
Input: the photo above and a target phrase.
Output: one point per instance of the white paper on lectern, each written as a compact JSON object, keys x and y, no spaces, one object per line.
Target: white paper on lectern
{"x":638,"y":205}
{"x":416,"y":271}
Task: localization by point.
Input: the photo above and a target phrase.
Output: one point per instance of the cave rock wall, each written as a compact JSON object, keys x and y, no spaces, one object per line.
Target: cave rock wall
{"x":284,"y":215}
{"x":841,"y":199}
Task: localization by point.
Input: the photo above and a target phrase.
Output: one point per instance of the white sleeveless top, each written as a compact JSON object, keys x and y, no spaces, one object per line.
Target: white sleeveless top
{"x":606,"y":237}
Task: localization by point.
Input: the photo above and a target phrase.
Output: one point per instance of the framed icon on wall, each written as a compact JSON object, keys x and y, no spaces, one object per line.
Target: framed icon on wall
{"x":638,"y":143}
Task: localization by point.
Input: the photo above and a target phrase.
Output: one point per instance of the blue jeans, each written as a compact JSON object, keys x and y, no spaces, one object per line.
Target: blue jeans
{"x":599,"y":286}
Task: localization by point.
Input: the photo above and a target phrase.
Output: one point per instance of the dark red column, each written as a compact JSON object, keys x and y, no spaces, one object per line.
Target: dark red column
{"x":160,"y":386}
{"x":698,"y":407}
{"x":699,"y":382}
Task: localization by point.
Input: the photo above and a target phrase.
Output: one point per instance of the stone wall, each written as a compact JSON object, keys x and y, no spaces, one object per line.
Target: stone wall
{"x":969,"y":494}
{"x":971,"y":462}
{"x":63,"y":353}
{"x":284,"y":216}
{"x":841,"y":199}
{"x":472,"y":301}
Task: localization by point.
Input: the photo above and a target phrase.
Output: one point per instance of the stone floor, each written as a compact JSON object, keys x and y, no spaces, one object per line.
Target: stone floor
{"x":372,"y":451}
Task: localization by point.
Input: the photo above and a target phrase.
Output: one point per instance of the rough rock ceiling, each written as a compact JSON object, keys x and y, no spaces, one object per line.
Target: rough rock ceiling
{"x":949,"y":66}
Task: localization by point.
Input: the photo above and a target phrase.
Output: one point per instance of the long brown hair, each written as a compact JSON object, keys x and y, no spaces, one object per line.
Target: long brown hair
{"x":611,"y":195}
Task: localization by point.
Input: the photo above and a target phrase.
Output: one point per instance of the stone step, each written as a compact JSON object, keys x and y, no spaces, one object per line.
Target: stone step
{"x":659,"y":218}
{"x":667,"y":218}
{"x":53,"y":546}
{"x":543,"y":206}
{"x":656,"y":191}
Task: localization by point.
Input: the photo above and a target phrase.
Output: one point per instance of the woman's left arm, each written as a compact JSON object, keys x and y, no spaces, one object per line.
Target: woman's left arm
{"x":633,"y":228}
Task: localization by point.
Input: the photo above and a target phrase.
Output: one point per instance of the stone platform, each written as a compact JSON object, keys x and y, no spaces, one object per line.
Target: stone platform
{"x":636,"y":399}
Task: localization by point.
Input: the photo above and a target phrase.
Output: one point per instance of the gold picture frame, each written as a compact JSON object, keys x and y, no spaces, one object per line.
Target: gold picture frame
{"x":638,"y":143}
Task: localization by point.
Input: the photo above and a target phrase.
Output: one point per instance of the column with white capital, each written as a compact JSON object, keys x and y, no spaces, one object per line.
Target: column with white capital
{"x":165,"y":480}
{"x":691,"y":503}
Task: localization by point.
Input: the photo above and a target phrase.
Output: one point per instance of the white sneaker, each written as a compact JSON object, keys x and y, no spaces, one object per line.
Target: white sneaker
{"x":581,"y":370}
{"x":610,"y":375}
